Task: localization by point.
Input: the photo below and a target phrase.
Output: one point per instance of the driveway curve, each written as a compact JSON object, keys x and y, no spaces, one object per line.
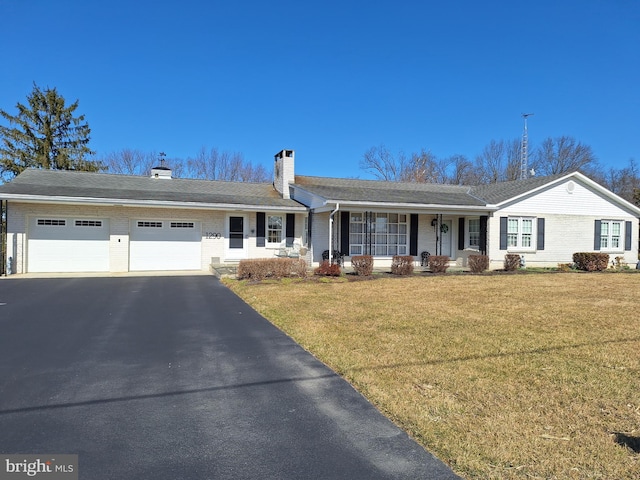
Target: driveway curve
{"x":175,"y":377}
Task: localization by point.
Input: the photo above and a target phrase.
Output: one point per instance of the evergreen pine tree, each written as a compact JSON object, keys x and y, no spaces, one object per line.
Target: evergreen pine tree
{"x":45,"y":134}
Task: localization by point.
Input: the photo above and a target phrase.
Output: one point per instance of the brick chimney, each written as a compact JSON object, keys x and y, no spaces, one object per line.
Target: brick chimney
{"x":283,"y":172}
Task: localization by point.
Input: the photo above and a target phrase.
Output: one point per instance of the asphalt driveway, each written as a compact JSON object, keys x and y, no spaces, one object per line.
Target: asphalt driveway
{"x":176,"y":378}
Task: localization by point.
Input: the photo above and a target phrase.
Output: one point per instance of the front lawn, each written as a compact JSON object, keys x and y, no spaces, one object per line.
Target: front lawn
{"x":505,"y":376}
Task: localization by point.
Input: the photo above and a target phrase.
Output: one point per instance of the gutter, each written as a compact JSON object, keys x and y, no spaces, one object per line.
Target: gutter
{"x":413,"y":207}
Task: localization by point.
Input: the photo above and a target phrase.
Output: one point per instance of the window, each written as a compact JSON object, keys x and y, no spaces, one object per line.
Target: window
{"x":51,"y":222}
{"x":181,"y":224}
{"x":520,"y":233}
{"x":274,"y":229}
{"x":610,"y":235}
{"x":379,"y":234}
{"x":474,"y":232}
{"x":149,"y":224}
{"x":88,"y":223}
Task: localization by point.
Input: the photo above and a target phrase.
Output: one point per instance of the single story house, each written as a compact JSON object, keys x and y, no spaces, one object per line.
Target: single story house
{"x":62,"y":221}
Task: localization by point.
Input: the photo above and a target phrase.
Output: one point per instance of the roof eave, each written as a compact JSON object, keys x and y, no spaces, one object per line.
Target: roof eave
{"x":146,"y":203}
{"x":432,"y":207}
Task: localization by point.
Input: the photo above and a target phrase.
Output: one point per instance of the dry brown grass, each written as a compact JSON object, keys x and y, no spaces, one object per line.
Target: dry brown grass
{"x":507,"y":376}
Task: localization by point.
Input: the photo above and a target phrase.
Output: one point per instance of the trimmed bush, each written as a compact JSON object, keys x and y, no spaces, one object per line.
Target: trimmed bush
{"x":438,"y":263}
{"x":591,"y":261}
{"x":362,"y":265}
{"x":478,"y":263}
{"x":261,"y":268}
{"x":402,"y":265}
{"x":327,"y":269}
{"x":512,"y":262}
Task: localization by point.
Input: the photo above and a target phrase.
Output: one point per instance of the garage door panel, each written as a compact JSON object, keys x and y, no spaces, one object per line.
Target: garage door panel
{"x":68,"y":245}
{"x":165,"y":245}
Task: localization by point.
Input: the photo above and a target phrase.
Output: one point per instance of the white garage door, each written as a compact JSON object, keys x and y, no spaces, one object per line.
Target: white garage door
{"x":58,"y":244}
{"x":165,"y":245}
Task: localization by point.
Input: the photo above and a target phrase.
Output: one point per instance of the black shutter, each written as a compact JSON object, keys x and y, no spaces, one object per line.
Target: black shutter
{"x":540,"y":245}
{"x":344,"y":233}
{"x":627,"y":235}
{"x":461,"y":233}
{"x":260,"y":229}
{"x":290,"y":231}
{"x":484,"y":219}
{"x":309,"y":223}
{"x":503,"y":233}
{"x":596,"y":235}
{"x":413,"y":235}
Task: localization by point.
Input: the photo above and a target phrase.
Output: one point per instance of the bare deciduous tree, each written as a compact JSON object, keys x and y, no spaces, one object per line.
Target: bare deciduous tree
{"x":563,"y":155}
{"x":206,"y":165}
{"x":462,"y":171}
{"x":423,"y":167}
{"x":130,"y":162}
{"x":227,"y":166}
{"x":624,"y":182}
{"x":382,"y":163}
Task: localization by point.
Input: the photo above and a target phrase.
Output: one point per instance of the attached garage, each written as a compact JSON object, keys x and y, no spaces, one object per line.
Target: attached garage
{"x":62,"y":244}
{"x":165,"y":245}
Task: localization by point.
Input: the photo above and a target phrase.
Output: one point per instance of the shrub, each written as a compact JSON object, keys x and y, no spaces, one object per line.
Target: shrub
{"x":362,"y":264}
{"x":565,"y":267}
{"x":261,"y":268}
{"x":591,"y":261}
{"x":327,"y":269}
{"x":438,"y":263}
{"x":402,"y":265}
{"x":478,"y":263}
{"x":512,"y":262}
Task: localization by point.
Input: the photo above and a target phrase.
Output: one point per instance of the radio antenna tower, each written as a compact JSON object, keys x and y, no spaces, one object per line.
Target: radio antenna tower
{"x":524,"y":151}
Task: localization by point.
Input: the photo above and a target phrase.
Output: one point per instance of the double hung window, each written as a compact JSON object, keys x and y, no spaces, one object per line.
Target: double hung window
{"x":274,"y":229}
{"x":520,"y":233}
{"x":474,"y":232}
{"x":610,"y":235}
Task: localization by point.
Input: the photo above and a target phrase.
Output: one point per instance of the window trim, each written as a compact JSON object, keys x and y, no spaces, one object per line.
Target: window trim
{"x":88,"y":223}
{"x":148,"y":224}
{"x":468,"y":234}
{"x":51,"y":222}
{"x":533,"y":234}
{"x":179,"y":224}
{"x":610,"y":236}
{"x":268,"y":231}
{"x":371,"y":229}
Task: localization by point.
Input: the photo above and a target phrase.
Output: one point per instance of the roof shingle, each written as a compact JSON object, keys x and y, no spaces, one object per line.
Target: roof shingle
{"x":127,"y":187}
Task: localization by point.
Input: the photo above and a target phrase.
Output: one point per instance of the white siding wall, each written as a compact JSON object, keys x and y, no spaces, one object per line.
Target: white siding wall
{"x":558,"y":200}
{"x":569,"y":225}
{"x":213,"y":222}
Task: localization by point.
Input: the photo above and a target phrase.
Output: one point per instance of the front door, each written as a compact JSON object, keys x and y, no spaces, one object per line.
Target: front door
{"x":236,"y":244}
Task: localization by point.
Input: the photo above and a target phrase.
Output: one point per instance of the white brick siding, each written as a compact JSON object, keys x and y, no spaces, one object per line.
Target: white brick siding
{"x":214,"y":230}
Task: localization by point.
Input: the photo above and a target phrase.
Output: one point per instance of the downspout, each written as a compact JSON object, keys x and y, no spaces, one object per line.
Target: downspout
{"x":3,"y":237}
{"x":331,"y":215}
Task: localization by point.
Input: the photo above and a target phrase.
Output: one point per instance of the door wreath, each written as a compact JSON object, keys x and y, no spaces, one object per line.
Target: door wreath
{"x":444,"y":228}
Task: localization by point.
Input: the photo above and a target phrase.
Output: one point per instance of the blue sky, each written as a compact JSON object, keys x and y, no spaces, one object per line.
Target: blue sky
{"x":331,"y":79}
